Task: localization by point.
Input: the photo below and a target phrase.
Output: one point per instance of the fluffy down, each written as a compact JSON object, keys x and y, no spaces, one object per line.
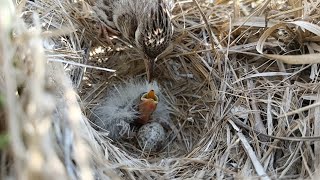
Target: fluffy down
{"x":119,"y":108}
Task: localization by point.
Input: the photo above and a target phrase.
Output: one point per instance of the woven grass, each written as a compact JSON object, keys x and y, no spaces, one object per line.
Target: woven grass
{"x":242,"y":81}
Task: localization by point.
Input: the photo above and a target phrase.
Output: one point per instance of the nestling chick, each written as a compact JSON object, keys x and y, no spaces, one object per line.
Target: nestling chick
{"x":134,"y":102}
{"x":145,"y":24}
{"x":148,"y":104}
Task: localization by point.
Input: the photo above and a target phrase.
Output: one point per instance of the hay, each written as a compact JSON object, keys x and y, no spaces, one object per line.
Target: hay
{"x":241,"y":79}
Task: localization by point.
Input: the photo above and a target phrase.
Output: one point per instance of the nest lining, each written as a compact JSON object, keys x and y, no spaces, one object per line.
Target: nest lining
{"x":211,"y":91}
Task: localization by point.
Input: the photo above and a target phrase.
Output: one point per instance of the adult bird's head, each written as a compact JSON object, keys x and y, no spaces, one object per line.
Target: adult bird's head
{"x":154,"y":33}
{"x":145,"y":24}
{"x":148,"y":104}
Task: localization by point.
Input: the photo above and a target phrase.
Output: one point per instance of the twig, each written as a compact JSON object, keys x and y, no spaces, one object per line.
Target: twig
{"x":257,"y":165}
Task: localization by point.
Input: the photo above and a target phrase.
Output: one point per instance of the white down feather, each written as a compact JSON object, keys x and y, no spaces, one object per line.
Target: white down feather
{"x":118,"y":109}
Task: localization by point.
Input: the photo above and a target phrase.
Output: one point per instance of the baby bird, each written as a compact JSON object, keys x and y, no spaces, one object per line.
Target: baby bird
{"x":147,"y":105}
{"x":145,"y":24}
{"x":133,"y":103}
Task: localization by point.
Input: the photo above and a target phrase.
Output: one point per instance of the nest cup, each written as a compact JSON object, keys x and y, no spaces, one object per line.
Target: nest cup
{"x":223,"y":95}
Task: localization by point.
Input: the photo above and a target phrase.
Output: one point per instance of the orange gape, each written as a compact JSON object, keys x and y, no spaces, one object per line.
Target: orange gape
{"x":147,"y":106}
{"x":151,"y":95}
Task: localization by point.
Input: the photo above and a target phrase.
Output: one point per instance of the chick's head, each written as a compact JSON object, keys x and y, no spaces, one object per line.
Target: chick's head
{"x":148,"y":104}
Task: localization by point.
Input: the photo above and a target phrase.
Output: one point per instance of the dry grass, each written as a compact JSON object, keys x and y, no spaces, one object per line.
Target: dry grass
{"x":242,"y":81}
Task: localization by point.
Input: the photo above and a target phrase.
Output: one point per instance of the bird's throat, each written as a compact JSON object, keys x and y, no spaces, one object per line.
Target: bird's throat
{"x":146,"y":108}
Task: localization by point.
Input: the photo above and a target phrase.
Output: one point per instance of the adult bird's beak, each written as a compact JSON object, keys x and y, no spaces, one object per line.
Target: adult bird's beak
{"x":149,"y":63}
{"x":148,"y":104}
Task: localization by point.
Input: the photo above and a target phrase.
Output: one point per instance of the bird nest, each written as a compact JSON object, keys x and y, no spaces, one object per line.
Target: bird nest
{"x":241,"y":82}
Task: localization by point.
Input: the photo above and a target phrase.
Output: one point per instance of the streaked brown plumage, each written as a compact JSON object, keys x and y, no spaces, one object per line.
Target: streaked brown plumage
{"x":145,"y":24}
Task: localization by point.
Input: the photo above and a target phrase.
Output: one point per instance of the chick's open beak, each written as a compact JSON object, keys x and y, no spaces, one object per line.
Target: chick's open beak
{"x":147,"y":106}
{"x":151,"y":95}
{"x":149,"y":63}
